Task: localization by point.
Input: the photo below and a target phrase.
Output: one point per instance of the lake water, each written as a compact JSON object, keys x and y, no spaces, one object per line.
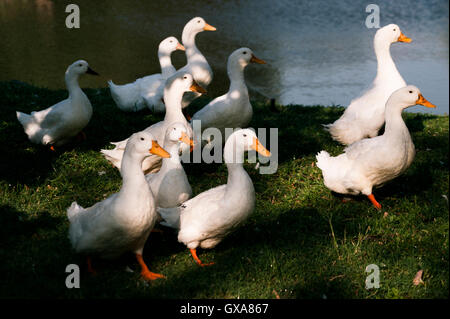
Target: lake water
{"x":318,"y":52}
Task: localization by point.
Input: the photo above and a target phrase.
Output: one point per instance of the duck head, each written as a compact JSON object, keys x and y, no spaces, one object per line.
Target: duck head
{"x":408,"y":96}
{"x":143,"y":144}
{"x":177,"y":133}
{"x":169,"y":45}
{"x":180,"y":83}
{"x":241,"y":141}
{"x":197,"y":25}
{"x":80,"y":67}
{"x":389,"y":34}
{"x":243,"y":57}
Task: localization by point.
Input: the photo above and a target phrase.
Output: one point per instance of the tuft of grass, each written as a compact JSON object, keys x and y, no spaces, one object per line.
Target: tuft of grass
{"x":301,"y":241}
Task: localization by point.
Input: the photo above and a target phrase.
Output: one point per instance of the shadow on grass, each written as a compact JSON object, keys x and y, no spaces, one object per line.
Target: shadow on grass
{"x":15,"y":223}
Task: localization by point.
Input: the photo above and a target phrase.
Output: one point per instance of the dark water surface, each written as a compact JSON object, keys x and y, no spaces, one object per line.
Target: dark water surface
{"x":318,"y":52}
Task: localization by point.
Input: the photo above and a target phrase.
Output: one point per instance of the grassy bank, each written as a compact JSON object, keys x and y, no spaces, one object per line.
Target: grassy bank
{"x":301,"y":242}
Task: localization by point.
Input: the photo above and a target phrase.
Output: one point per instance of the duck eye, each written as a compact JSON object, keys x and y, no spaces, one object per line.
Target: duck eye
{"x":80,"y":64}
{"x":245,"y":135}
{"x":198,"y":21}
{"x":185,"y":77}
{"x":245,"y":52}
{"x":142,"y":139}
{"x":395,"y":29}
{"x":410,"y":91}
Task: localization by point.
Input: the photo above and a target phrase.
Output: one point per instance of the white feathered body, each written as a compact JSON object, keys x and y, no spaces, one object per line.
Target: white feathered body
{"x":367,"y":163}
{"x":365,"y":115}
{"x":144,"y":92}
{"x":123,"y":221}
{"x":57,"y":124}
{"x":210,"y":216}
{"x":111,"y":227}
{"x":170,"y":185}
{"x":152,"y":163}
{"x":231,"y":110}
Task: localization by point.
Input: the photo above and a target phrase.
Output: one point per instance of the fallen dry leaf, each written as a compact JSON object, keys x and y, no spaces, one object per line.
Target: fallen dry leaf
{"x":418,"y":278}
{"x":276,"y":294}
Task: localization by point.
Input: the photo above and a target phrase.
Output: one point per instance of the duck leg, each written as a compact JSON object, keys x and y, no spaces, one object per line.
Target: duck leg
{"x":186,"y":114}
{"x":374,"y":201}
{"x":197,"y":260}
{"x":157,"y":230}
{"x":89,"y":266}
{"x":52,"y":148}
{"x":81,"y":136}
{"x":145,"y":273}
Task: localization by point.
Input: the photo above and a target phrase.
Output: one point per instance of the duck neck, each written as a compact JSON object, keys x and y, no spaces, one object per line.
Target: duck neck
{"x":132,"y":175}
{"x":167,"y":69}
{"x":234,"y":159}
{"x":174,"y":160}
{"x":236,"y":74}
{"x":386,"y":67}
{"x":394,"y":121}
{"x":172,"y":100}
{"x":188,"y":39}
{"x":72,"y":84}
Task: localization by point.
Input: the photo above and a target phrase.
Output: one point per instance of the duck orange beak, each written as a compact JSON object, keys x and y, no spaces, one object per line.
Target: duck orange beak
{"x":195,"y":87}
{"x":180,"y":47}
{"x":403,"y":38}
{"x":257,"y":146}
{"x":423,"y":101}
{"x":254,"y":59}
{"x":158,"y":150}
{"x":209,"y":27}
{"x":186,"y":140}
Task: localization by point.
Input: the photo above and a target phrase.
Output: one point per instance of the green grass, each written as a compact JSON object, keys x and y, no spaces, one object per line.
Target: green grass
{"x":302,"y":241}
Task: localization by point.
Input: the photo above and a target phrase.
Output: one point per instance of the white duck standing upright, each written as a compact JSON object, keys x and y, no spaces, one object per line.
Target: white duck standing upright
{"x":122,"y":222}
{"x":59,"y":123}
{"x":197,"y":65}
{"x":371,"y":162}
{"x":170,"y":185}
{"x":365,"y":115}
{"x":206,"y":219}
{"x":233,"y":109}
{"x":176,"y":85}
{"x":147,"y":91}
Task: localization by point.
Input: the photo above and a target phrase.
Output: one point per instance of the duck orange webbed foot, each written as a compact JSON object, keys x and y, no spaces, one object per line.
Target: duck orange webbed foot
{"x":188,"y":117}
{"x":145,"y":272}
{"x":52,"y":148}
{"x":197,"y":260}
{"x":374,"y":201}
{"x":90,"y":269}
{"x":81,"y":136}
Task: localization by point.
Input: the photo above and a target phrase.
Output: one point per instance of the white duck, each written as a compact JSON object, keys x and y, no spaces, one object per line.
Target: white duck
{"x":147,"y":91}
{"x":59,"y":123}
{"x":233,"y":109}
{"x":123,"y":221}
{"x":170,"y":185}
{"x":371,"y":162}
{"x":210,"y":216}
{"x":365,"y":114}
{"x":196,"y":62}
{"x":176,"y":85}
